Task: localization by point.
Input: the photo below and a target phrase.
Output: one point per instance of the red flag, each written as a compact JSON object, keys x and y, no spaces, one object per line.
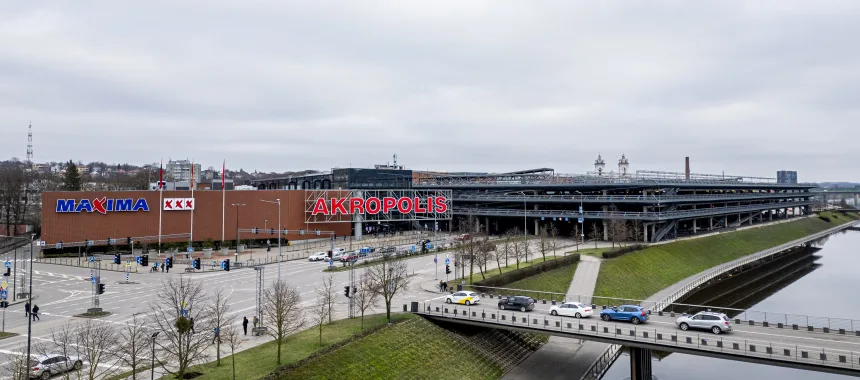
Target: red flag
{"x":223,"y":165}
{"x":192,"y":175}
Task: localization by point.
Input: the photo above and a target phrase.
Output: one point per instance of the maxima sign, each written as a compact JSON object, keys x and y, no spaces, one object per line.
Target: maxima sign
{"x":178,"y":204}
{"x":385,"y":205}
{"x":102,"y":205}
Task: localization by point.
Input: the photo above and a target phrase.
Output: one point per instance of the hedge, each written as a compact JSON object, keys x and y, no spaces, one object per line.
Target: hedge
{"x":519,"y":274}
{"x":622,"y":251}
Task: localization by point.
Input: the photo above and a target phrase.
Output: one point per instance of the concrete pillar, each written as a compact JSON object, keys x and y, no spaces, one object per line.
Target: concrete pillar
{"x":645,"y":233}
{"x":653,"y":229}
{"x":711,"y":221}
{"x":605,"y":230}
{"x":695,"y":227}
{"x":359,"y":230}
{"x":487,"y":224}
{"x":536,"y":222}
{"x":726,"y":221}
{"x":640,"y":363}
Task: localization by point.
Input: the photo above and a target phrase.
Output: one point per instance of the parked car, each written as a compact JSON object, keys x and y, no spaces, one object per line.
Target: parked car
{"x":336,"y":255}
{"x":705,"y":320}
{"x":45,"y":366}
{"x":364,"y":251}
{"x":389,"y":249}
{"x":633,"y":313}
{"x":319,"y":256}
{"x":571,"y":309}
{"x":465,"y":297}
{"x":520,"y":303}
{"x":349,"y":256}
{"x":341,"y":250}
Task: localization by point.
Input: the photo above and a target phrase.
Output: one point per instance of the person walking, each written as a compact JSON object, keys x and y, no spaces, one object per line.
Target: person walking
{"x":440,"y":286}
{"x":256,"y":321}
{"x":192,"y":324}
{"x":216,"y":336}
{"x":245,"y":325}
{"x":35,"y":312}
{"x":27,"y":309}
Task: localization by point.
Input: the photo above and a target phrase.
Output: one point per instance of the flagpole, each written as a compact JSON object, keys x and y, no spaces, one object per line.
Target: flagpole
{"x":160,"y":200}
{"x":223,"y":198}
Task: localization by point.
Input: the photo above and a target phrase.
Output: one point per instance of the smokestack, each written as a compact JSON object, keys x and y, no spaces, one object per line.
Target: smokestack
{"x":687,"y":170}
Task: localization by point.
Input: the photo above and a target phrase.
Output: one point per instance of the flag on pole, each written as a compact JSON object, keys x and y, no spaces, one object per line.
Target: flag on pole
{"x":223,"y":166}
{"x":161,"y":175}
{"x":192,"y":177}
{"x":223,"y":198}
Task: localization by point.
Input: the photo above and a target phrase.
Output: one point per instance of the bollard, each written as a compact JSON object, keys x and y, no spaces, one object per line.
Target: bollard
{"x":660,"y":313}
{"x":765,"y":324}
{"x":553,"y":302}
{"x":544,"y":302}
{"x":809,"y":328}
{"x":826,"y":329}
{"x":779,"y":325}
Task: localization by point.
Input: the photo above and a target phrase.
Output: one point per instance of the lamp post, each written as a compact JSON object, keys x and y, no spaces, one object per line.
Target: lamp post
{"x":581,"y":218}
{"x":29,"y":291}
{"x":280,"y":232}
{"x":237,"y":205}
{"x":155,"y":334}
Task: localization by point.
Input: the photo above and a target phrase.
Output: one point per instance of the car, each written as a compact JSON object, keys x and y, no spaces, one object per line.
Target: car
{"x":364,"y":251}
{"x":389,"y":249}
{"x":520,"y":303}
{"x":633,"y":313}
{"x":572,"y":309}
{"x":341,"y":250}
{"x":349,"y":256}
{"x":464,"y":297}
{"x":319,"y":256}
{"x":336,"y":255}
{"x":717,"y":323}
{"x":45,"y":366}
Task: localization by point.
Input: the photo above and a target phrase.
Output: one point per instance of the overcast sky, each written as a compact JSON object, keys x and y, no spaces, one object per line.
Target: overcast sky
{"x":745,"y":87}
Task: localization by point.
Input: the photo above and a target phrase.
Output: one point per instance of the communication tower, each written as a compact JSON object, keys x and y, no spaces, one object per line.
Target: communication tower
{"x":30,"y":145}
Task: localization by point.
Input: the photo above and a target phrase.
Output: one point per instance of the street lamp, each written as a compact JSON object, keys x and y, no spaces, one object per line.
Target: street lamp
{"x":29,"y":292}
{"x":237,"y":205}
{"x":278,"y":202}
{"x":155,"y":334}
{"x":581,"y":218}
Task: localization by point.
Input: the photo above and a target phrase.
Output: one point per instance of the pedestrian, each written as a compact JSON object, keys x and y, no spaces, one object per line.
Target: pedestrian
{"x":256,"y":321}
{"x":27,"y":309}
{"x":440,"y":285}
{"x":216,"y":336}
{"x":162,"y":267}
{"x":446,"y":286}
{"x":35,"y":312}
{"x":245,"y":325}
{"x":192,"y":324}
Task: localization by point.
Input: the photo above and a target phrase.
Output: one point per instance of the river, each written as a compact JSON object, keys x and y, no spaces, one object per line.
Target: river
{"x":822,"y":289}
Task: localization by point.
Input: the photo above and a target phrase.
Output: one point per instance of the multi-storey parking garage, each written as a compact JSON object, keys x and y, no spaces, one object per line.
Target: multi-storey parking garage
{"x":663,"y":205}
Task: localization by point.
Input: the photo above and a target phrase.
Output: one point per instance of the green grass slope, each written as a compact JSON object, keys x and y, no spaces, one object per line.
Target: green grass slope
{"x":639,"y":275}
{"x":556,"y":280}
{"x":415,"y":349}
{"x":257,"y":362}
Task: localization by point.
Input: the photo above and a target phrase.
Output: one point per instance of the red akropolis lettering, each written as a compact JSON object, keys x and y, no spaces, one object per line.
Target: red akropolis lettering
{"x":337,"y":205}
{"x":388,"y":203}
{"x":408,"y":205}
{"x":372,"y":205}
{"x":356,"y":205}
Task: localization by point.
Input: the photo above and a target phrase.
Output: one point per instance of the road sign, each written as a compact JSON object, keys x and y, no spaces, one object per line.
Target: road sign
{"x":581,"y":220}
{"x":93,"y":279}
{"x":330,"y":262}
{"x":3,"y":294}
{"x":92,"y":258}
{"x":580,"y":209}
{"x":128,"y":263}
{"x":4,"y":285}
{"x":190,"y":249}
{"x":8,"y":264}
{"x":413,"y":248}
{"x":447,"y":261}
{"x":435,"y":261}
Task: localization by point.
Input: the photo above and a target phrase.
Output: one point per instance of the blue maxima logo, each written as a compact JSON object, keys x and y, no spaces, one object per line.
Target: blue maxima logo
{"x":102,"y":205}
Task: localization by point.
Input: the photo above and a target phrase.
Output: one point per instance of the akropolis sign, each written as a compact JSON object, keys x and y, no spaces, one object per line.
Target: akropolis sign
{"x":374,"y":205}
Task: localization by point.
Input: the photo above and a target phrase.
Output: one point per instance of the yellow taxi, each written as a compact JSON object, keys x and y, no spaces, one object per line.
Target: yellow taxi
{"x":464,"y":298}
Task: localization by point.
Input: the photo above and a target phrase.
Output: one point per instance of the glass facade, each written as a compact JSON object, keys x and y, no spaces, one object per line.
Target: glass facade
{"x":356,"y":178}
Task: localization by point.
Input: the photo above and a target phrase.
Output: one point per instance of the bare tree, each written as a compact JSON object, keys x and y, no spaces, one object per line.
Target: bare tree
{"x":543,"y":241}
{"x":470,"y":246}
{"x":96,"y":346}
{"x":514,"y":235}
{"x":365,"y":296}
{"x":526,"y":251}
{"x":505,"y":251}
{"x":234,"y":340}
{"x":594,"y":234}
{"x":553,"y":236}
{"x":281,"y":307}
{"x":637,"y":231}
{"x":320,"y":311}
{"x":180,"y":300}
{"x":575,"y":235}
{"x":17,"y":365}
{"x":61,"y":343}
{"x":328,"y":294}
{"x":135,"y":341}
{"x":219,"y":318}
{"x":388,"y":278}
{"x":484,"y":254}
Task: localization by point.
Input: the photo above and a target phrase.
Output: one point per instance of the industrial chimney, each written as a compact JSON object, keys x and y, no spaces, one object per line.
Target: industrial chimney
{"x":687,"y":170}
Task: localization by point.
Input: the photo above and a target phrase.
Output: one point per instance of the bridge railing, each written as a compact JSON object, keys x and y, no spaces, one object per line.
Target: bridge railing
{"x":825,"y":354}
{"x":758,"y":317}
{"x":625,"y":198}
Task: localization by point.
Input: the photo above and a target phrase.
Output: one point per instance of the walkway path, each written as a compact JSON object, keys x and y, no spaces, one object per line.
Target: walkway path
{"x":553,"y":360}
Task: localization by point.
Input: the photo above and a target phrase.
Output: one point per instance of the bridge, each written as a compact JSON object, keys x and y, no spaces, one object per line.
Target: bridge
{"x":833,"y":347}
{"x":630,"y":199}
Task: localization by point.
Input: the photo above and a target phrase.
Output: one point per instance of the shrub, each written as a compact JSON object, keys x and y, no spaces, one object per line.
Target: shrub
{"x":519,"y":274}
{"x":622,"y":251}
{"x":824,"y":218}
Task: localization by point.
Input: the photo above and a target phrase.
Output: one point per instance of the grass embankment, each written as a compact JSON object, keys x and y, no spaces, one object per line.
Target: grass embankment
{"x":555,"y":281}
{"x":257,"y":362}
{"x":415,"y":349}
{"x":513,"y":266}
{"x":640,"y":274}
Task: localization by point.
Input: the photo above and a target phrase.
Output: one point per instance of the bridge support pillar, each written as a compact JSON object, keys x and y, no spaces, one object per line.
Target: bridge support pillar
{"x":711,"y":219}
{"x":695,"y":226}
{"x":536,"y":222}
{"x":640,"y":363}
{"x":645,"y":233}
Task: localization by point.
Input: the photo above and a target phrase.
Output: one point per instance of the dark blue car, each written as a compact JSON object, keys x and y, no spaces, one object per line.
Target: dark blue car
{"x":634,"y":314}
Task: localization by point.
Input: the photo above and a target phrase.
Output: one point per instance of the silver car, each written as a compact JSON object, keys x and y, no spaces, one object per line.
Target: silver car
{"x":705,"y":320}
{"x":45,"y":366}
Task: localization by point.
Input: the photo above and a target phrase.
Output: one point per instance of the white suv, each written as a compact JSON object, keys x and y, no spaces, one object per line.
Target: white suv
{"x":705,"y":320}
{"x":319,"y":256}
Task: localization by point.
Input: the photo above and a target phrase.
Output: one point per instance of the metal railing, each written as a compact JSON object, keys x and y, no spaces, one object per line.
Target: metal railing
{"x":624,"y":198}
{"x":827,"y":354}
{"x":632,"y":180}
{"x":651,"y":216}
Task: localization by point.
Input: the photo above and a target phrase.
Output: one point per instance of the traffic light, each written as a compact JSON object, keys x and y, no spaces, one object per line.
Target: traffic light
{"x":447,"y":269}
{"x":271,"y":231}
{"x":116,"y":258}
{"x":168,"y":262}
{"x":346,"y":291}
{"x":329,"y":254}
{"x":4,"y":304}
{"x":128,"y":240}
{"x":8,"y":272}
{"x":144,"y":260}
{"x":101,"y":289}
{"x":225,"y":265}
